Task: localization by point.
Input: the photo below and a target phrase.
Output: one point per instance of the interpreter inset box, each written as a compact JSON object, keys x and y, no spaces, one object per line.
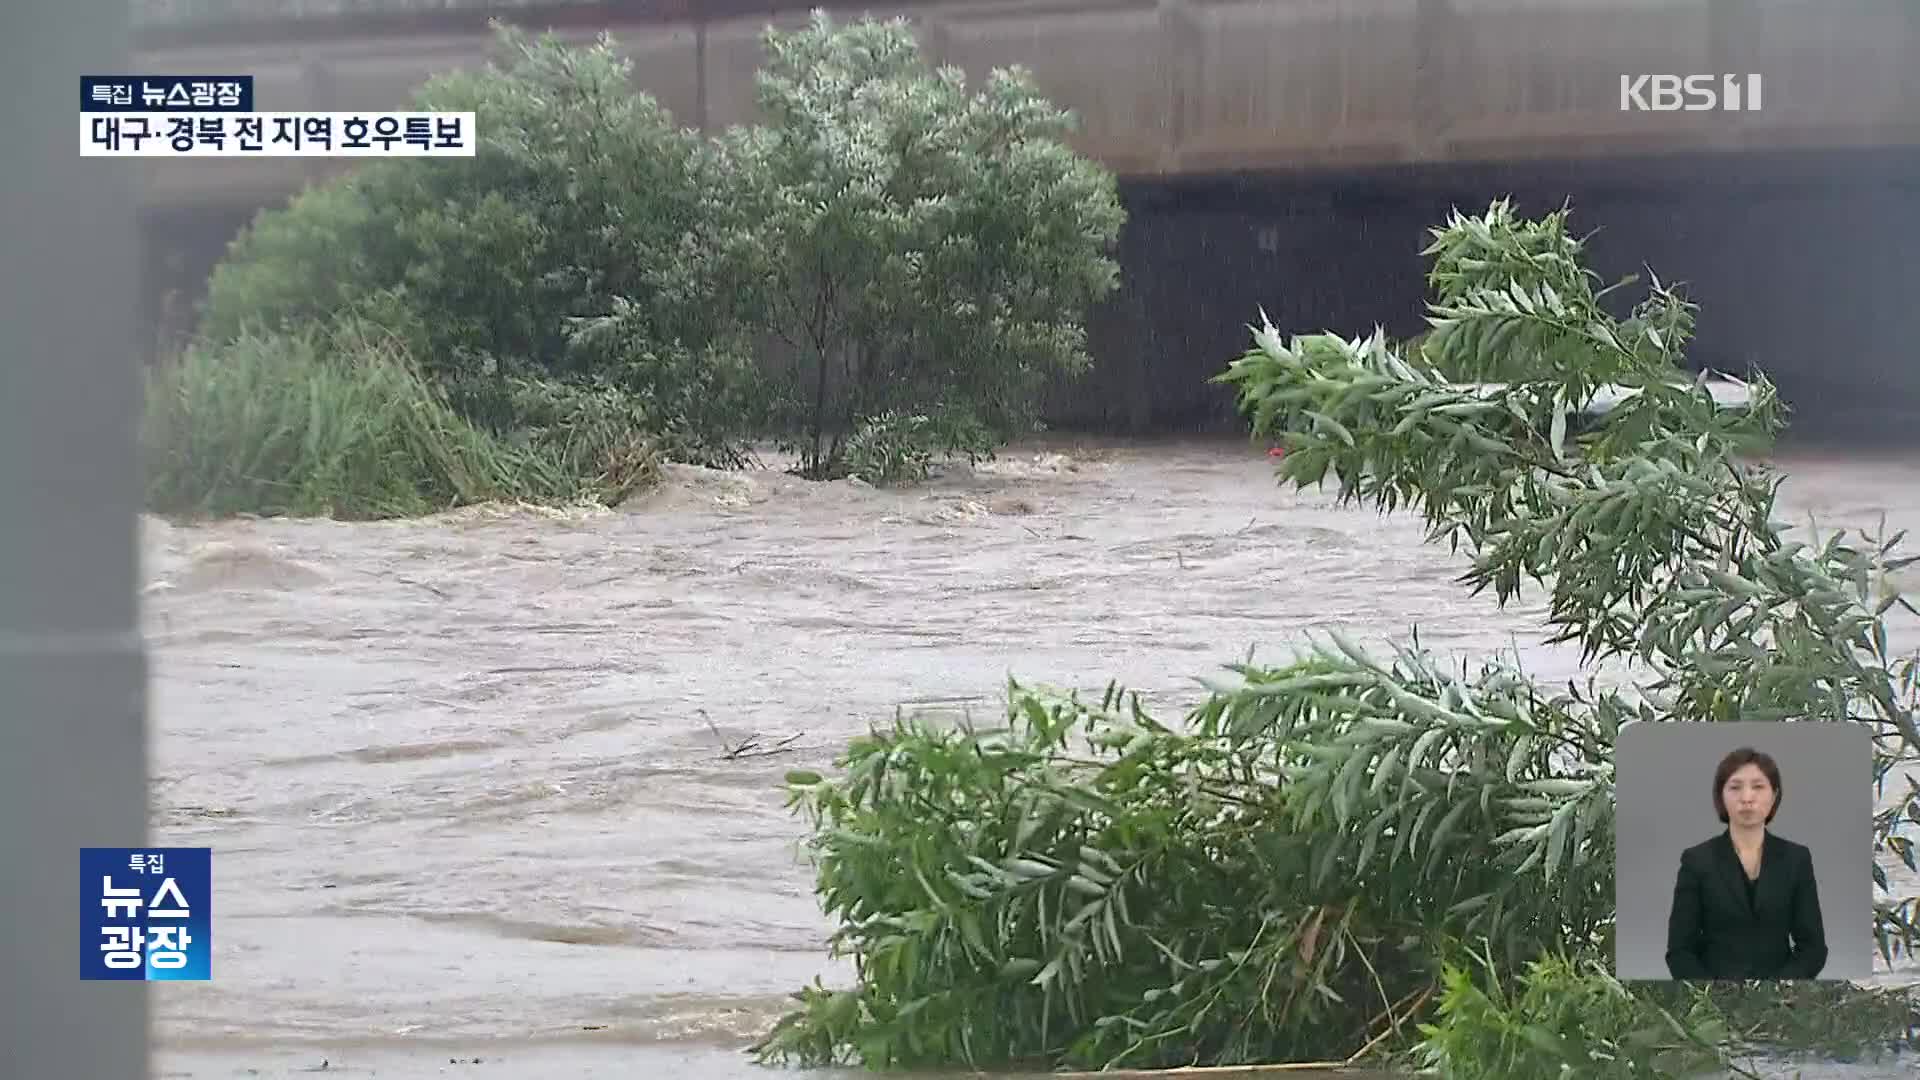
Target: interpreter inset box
{"x":1745,"y":851}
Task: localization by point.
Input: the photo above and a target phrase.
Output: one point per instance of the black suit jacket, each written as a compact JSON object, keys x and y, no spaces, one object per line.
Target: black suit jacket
{"x":1714,"y":933}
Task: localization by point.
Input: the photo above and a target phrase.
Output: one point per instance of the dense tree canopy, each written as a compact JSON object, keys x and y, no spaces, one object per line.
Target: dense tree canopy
{"x":919,"y":255}
{"x":919,"y":248}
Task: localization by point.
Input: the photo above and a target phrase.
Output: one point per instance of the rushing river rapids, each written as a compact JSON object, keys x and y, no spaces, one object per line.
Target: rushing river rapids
{"x":465,"y":777}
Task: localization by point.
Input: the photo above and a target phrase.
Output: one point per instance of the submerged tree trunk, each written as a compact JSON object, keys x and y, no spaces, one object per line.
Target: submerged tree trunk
{"x":816,"y":465}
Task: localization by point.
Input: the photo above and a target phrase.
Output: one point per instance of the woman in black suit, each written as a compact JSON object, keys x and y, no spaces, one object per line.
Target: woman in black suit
{"x":1745,"y":905}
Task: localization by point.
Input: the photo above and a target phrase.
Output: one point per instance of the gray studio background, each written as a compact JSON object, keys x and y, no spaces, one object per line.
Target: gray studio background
{"x":1664,"y":784}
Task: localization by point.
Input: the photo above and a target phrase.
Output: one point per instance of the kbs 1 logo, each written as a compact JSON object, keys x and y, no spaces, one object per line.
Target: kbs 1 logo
{"x":146,"y":914}
{"x":1689,"y":93}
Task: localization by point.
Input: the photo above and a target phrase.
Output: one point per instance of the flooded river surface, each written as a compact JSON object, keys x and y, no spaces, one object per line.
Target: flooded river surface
{"x":465,"y":777}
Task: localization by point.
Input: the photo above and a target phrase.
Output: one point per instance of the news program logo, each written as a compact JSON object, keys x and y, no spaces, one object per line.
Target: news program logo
{"x":166,"y":93}
{"x":146,"y":914}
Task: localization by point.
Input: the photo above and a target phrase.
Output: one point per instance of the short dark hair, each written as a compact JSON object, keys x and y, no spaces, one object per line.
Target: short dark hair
{"x":1733,"y":763}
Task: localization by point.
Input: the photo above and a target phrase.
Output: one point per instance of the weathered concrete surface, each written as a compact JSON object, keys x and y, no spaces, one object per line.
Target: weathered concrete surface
{"x":1291,"y":153}
{"x":1175,"y":87}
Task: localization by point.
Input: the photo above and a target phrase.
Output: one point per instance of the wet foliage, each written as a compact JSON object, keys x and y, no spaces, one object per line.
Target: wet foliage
{"x":916,"y":246}
{"x":1565,"y":1013}
{"x":340,"y":422}
{"x":1356,"y":857}
{"x":890,"y":448}
{"x":883,"y":271}
{"x":1105,"y":889}
{"x":559,"y":252}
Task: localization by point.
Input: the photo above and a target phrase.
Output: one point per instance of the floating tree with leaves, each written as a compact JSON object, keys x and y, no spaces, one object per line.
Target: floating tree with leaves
{"x":1355,"y":857}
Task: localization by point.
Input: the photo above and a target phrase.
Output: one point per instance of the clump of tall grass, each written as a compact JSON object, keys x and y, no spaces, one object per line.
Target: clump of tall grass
{"x":338,"y":421}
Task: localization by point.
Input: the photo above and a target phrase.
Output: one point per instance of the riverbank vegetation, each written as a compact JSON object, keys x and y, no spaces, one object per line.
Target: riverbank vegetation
{"x":1394,"y":860}
{"x":880,"y":272}
{"x":337,"y":421}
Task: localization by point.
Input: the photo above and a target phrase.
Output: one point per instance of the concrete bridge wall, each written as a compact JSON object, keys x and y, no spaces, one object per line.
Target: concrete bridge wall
{"x":1291,"y":153}
{"x":1178,"y":87}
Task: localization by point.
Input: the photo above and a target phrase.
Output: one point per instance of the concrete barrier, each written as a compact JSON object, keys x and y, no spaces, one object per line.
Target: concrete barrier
{"x":1175,"y":87}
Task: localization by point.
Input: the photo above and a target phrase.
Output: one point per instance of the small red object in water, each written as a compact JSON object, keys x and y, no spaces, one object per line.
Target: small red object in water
{"x":1278,"y":451}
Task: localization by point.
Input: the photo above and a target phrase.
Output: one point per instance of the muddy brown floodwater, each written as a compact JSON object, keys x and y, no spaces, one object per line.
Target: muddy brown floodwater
{"x":468,"y":812}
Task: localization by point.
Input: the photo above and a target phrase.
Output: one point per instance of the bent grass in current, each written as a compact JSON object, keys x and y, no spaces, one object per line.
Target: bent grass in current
{"x":1388,"y":860}
{"x":340,"y":422}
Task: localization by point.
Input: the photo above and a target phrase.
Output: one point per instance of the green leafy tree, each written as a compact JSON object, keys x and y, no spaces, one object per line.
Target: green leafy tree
{"x":581,"y":191}
{"x":1304,"y":868}
{"x":917,"y":248}
{"x":563,"y":249}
